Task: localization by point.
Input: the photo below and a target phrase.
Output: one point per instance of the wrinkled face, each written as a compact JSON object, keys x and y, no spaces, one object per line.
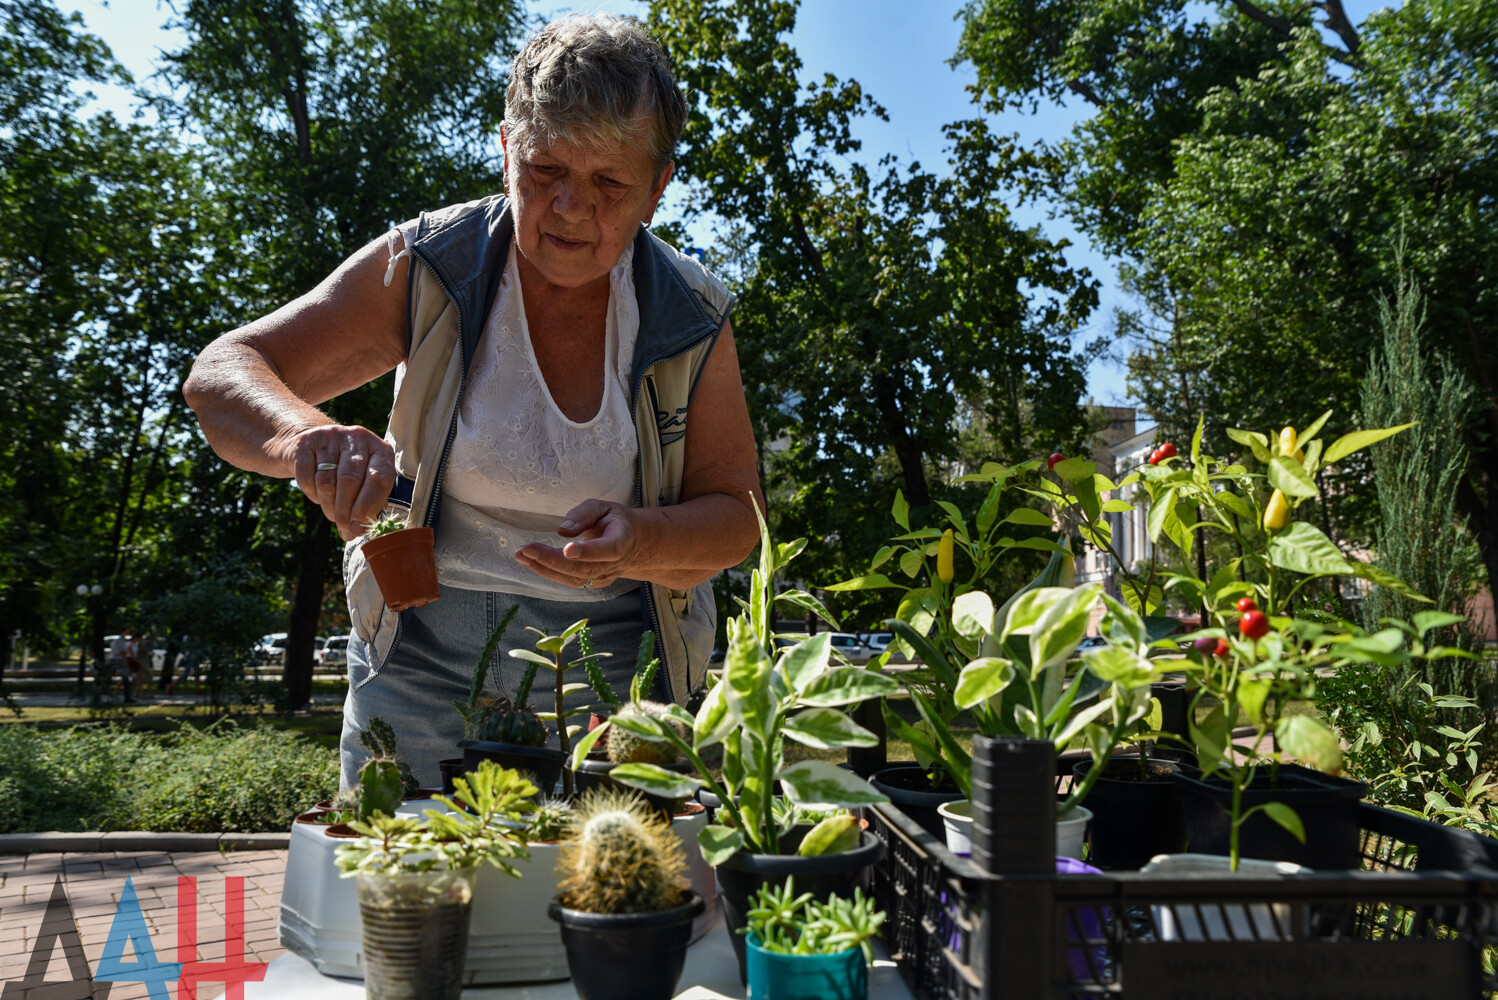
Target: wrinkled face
{"x":577,"y":207}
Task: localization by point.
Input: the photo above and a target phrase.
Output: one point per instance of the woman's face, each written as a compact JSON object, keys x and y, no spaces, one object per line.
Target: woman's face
{"x":577,"y":207}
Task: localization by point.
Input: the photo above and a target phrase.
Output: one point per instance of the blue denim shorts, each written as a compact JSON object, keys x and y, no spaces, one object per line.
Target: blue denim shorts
{"x":431,"y":666}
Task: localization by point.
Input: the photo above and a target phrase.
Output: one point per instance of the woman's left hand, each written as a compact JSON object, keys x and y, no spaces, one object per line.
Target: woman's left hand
{"x":608,"y":539}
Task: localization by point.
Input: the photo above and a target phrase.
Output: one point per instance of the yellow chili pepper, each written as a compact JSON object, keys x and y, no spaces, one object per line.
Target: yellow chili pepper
{"x":1277,"y":512}
{"x":945,"y":571}
{"x":1287,"y":445}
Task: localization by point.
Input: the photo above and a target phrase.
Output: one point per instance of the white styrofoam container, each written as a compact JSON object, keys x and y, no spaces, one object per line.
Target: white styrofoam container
{"x":511,"y":939}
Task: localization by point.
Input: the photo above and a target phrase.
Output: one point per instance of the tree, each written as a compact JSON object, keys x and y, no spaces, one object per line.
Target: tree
{"x":329,"y":121}
{"x":878,"y":305}
{"x":1256,"y":175}
{"x":101,"y":264}
{"x":1420,"y":536}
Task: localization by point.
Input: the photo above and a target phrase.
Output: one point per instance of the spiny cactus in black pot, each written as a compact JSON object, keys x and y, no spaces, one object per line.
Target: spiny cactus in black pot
{"x":620,"y":858}
{"x":504,"y":723}
{"x":625,"y":908}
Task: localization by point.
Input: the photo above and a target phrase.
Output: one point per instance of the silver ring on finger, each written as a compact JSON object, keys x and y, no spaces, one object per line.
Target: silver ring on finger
{"x":327,"y":466}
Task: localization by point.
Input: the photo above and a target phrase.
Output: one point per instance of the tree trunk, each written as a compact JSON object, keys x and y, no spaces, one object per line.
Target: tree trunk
{"x":306,"y":607}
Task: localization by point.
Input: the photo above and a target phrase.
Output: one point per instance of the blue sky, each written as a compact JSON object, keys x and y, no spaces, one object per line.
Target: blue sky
{"x":897,"y":49}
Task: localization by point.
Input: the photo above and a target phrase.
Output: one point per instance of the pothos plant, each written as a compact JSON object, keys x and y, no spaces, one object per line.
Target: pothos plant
{"x":767,"y":693}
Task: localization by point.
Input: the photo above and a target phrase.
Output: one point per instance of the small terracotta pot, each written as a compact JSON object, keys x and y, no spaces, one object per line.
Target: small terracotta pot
{"x":405,"y":566}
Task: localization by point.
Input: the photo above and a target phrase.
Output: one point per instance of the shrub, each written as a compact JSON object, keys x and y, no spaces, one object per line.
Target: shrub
{"x":228,"y":777}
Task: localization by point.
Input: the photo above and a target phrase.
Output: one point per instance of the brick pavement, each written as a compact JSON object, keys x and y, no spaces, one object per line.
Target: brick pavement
{"x":94,"y":883}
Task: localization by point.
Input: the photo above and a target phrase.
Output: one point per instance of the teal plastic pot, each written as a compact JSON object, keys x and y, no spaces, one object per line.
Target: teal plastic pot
{"x":773,"y":976}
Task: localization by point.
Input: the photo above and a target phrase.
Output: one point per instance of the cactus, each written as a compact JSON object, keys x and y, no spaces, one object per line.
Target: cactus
{"x":504,"y":723}
{"x":646,"y":664}
{"x":625,"y":747}
{"x":550,"y":820}
{"x":379,"y":788}
{"x":379,"y":740}
{"x":475,"y":708}
{"x":620,"y":857}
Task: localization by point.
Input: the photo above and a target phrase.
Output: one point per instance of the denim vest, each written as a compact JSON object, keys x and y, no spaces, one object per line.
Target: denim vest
{"x":461,"y":252}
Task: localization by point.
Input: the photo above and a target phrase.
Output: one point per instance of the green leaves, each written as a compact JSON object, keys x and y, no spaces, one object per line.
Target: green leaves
{"x":1303,"y":548}
{"x":1358,"y":440}
{"x":817,"y":784}
{"x":1287,"y":474}
{"x":827,"y":729}
{"x":1310,"y":740}
{"x":656,"y":780}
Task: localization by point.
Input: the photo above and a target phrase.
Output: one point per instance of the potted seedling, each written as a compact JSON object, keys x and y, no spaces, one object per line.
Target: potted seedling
{"x":623,"y":902}
{"x":416,"y":877}
{"x":803,"y":949}
{"x":768,"y":693}
{"x":403,"y":560}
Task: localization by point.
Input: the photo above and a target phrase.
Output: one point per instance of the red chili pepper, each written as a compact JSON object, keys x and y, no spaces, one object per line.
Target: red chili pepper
{"x":1222,"y":648}
{"x":1167,"y":450}
{"x":1056,"y":456}
{"x":1246,"y":604}
{"x":1254,"y":625}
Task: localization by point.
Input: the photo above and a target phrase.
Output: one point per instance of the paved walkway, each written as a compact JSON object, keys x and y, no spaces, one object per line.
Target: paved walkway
{"x":94,"y":884}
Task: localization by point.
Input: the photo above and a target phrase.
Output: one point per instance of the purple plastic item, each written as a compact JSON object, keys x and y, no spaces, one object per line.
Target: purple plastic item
{"x":1090,"y":921}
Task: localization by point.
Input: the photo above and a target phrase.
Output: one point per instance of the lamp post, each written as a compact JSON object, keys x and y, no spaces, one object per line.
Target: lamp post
{"x":85,"y":591}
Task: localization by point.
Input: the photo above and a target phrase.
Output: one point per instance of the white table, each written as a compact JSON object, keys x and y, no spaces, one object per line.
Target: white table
{"x":710,"y":974}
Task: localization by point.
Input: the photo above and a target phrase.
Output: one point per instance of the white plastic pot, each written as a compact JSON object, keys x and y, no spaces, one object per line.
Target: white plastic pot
{"x":1222,"y":921}
{"x":1071,"y":831}
{"x":958,"y":817}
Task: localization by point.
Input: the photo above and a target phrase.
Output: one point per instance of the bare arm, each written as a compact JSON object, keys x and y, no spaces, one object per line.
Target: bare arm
{"x":710,"y":529}
{"x":256,"y":389}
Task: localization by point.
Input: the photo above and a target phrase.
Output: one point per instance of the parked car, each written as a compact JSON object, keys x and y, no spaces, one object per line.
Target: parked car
{"x":272,"y":648}
{"x":878,"y":642}
{"x":334,"y":652}
{"x":852,"y":647}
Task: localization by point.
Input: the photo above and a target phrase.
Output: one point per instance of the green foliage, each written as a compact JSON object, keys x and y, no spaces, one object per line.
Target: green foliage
{"x":890,"y":309}
{"x":550,"y":653}
{"x":483,"y":826}
{"x":475,"y":708}
{"x":226,"y":778}
{"x":620,"y":857}
{"x":1421,"y":537}
{"x":788,"y":924}
{"x":1258,"y":176}
{"x":505,"y":722}
{"x":625,"y":747}
{"x":768,"y":692}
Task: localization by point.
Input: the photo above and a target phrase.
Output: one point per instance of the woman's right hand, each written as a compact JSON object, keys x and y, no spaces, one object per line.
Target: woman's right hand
{"x":348,"y":471}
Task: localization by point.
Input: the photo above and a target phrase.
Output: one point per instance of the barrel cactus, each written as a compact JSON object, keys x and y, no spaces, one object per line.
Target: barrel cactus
{"x":505,"y":723}
{"x":625,"y":747}
{"x":620,"y":857}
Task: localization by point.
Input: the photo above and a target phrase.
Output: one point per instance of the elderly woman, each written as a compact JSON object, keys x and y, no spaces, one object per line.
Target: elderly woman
{"x":568,"y":414}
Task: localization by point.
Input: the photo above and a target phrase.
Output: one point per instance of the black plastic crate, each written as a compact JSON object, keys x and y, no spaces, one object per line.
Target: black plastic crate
{"x":1413,"y":922}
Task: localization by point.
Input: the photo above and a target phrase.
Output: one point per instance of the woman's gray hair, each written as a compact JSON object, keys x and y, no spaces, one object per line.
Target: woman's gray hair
{"x":595,"y":80}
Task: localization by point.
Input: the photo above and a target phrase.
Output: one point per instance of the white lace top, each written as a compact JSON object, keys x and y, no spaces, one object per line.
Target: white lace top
{"x":517,"y":463}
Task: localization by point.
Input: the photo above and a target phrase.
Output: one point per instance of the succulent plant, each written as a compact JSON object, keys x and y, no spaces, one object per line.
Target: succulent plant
{"x":550,"y":820}
{"x":624,"y":747}
{"x":502,"y":722}
{"x":387,"y":523}
{"x":379,"y":788}
{"x":620,"y":857}
{"x":379,"y":739}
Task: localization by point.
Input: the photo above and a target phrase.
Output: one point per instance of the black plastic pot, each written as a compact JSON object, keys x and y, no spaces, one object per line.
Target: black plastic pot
{"x":822,"y":875}
{"x":595,"y":774}
{"x":626,"y":956}
{"x":910,"y":790}
{"x":1327,"y":807}
{"x":451,"y":767}
{"x":543,"y":763}
{"x":1133,"y":820}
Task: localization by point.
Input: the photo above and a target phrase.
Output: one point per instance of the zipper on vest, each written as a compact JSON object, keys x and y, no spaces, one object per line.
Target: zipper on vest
{"x":452,"y":431}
